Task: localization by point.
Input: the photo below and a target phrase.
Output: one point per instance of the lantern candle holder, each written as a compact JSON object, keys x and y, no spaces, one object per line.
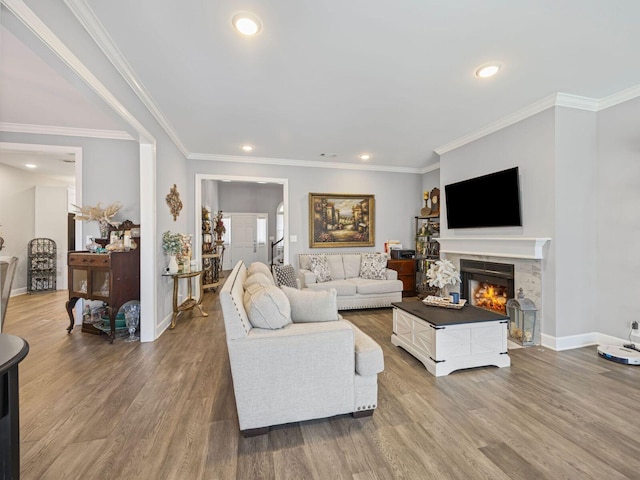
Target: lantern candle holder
{"x":522,"y":319}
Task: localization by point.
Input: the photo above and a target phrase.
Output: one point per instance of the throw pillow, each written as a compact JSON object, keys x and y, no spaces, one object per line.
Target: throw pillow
{"x":259,"y":267}
{"x":267,"y":306}
{"x":311,"y":305}
{"x":320,"y":267}
{"x":285,"y":275}
{"x":373,"y":265}
{"x":257,"y":277}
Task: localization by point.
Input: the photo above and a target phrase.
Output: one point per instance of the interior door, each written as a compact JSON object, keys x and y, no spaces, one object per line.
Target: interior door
{"x":248,"y":238}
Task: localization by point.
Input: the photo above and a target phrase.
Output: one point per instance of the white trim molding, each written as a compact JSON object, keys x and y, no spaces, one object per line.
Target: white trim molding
{"x":96,"y":30}
{"x":64,"y":131}
{"x":510,"y":247}
{"x":570,"y":342}
{"x":556,"y":100}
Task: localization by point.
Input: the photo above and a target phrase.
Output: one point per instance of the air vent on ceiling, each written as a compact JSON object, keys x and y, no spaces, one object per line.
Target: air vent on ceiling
{"x":329,"y":155}
{"x":68,"y":160}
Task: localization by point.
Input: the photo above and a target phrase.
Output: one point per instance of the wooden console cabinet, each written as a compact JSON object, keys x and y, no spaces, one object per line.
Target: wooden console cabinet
{"x":406,"y":269}
{"x":112,"y":277}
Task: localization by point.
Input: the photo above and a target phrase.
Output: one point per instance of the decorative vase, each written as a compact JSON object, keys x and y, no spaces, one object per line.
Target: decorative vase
{"x":104,"y":229}
{"x":173,"y":264}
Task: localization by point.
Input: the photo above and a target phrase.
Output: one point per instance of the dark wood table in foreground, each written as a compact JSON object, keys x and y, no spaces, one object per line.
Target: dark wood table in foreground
{"x":12,"y":350}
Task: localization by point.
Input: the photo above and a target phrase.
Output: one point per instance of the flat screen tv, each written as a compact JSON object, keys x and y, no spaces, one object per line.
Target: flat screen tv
{"x":488,"y":201}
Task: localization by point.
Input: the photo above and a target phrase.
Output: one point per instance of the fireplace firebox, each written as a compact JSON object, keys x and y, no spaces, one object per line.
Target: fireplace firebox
{"x":487,"y":285}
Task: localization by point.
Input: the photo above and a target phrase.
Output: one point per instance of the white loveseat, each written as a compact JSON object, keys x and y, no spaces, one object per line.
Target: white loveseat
{"x":353,"y":290}
{"x":299,"y":372}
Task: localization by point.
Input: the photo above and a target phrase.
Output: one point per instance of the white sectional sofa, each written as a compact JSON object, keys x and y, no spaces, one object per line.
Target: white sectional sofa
{"x":354,"y":291}
{"x":294,"y":369}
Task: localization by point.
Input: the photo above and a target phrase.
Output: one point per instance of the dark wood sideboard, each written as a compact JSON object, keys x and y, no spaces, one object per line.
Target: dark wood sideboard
{"x":406,"y":268}
{"x":112,"y":277}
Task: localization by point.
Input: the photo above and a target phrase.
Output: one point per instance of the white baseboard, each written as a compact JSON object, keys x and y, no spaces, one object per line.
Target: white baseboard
{"x":18,"y":291}
{"x":578,"y":341}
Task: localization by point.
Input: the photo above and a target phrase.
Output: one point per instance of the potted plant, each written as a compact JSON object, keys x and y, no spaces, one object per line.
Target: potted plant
{"x":441,"y":274}
{"x":172,"y":244}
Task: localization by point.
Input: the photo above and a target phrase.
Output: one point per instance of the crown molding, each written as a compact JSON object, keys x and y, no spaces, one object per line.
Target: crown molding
{"x":556,"y":100}
{"x":98,"y":33}
{"x":64,"y":131}
{"x":299,"y":163}
{"x":430,"y":168}
{"x":620,"y":97}
{"x":577,"y":102}
{"x":515,"y":117}
{"x":40,"y":30}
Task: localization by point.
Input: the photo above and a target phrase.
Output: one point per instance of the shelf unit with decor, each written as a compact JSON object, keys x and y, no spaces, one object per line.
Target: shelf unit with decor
{"x":427,"y":250}
{"x":210,"y":254}
{"x":41,"y":265}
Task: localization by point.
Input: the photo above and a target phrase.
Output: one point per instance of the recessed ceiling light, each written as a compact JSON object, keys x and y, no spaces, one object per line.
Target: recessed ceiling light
{"x":247,"y":148}
{"x":246,"y":23}
{"x":365,"y":156}
{"x":489,"y":70}
{"x":29,"y":165}
{"x":262,"y":182}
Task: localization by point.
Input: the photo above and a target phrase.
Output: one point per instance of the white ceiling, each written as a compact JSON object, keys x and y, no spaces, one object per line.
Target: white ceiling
{"x":394,"y":79}
{"x":56,"y":165}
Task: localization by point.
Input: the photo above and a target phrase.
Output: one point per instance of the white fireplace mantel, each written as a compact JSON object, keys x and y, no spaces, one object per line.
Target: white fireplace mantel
{"x":511,"y":247}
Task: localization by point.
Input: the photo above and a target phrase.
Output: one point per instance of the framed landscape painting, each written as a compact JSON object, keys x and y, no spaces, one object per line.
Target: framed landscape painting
{"x":341,"y":220}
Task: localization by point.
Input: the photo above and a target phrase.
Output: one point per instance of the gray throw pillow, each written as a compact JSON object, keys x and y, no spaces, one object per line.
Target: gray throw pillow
{"x":312,"y":305}
{"x":285,"y":275}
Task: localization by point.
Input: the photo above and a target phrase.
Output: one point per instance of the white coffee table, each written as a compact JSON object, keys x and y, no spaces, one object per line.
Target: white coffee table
{"x":445,"y":340}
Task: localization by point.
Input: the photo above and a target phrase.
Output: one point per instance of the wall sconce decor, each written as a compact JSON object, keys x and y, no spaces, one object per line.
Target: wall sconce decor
{"x":174,"y":202}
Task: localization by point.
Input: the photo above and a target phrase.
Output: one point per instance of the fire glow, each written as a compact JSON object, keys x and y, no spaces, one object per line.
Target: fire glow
{"x":491,"y":297}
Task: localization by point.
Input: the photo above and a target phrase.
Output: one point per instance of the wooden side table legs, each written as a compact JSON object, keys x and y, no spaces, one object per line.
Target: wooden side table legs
{"x":69,"y":306}
{"x":190,"y":301}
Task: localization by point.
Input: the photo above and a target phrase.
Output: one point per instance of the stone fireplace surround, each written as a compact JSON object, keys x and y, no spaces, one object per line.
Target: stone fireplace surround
{"x":525,"y":254}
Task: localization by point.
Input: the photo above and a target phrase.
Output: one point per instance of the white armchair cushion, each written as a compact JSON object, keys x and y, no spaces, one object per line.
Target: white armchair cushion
{"x":373,"y":266}
{"x":312,"y":306}
{"x":267,"y":306}
{"x":260,"y":267}
{"x":259,"y":278}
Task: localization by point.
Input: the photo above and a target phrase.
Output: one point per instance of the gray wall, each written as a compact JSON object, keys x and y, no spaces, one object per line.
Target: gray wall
{"x":617,"y":229}
{"x":574,"y":241}
{"x":398,"y":197}
{"x":529,"y":145}
{"x":170,"y":162}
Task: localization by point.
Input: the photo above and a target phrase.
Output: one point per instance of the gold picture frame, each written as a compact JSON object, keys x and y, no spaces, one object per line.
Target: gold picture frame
{"x":341,"y":220}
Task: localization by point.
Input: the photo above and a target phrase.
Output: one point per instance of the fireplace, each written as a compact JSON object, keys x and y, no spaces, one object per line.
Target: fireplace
{"x":487,"y":285}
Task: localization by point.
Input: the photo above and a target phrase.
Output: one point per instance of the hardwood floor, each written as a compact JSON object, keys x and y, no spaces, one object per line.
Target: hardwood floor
{"x":165,"y":410}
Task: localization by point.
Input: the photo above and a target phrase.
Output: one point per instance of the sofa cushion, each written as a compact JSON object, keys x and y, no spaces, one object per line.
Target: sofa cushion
{"x":320,"y":267}
{"x":364,"y":286}
{"x":267,"y":306}
{"x":351,"y":262}
{"x":260,"y":267}
{"x":335,"y":267}
{"x":312,"y":306}
{"x":257,"y":277}
{"x":285,"y":275}
{"x":369,"y":358}
{"x":343,"y":287}
{"x":373,"y":266}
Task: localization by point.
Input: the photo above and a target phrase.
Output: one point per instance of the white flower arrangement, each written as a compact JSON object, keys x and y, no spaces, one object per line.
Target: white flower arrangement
{"x":442,"y":273}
